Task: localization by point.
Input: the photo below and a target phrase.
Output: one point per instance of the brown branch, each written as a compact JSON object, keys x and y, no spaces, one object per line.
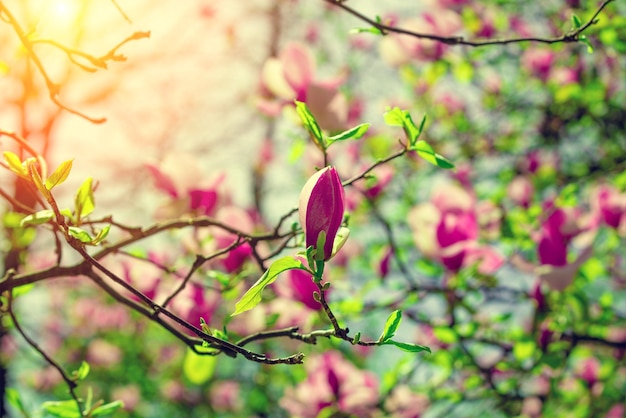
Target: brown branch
{"x":71,"y":383}
{"x":569,"y":37}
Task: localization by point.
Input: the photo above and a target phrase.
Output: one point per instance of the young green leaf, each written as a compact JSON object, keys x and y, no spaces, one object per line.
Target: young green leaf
{"x":354,"y":133}
{"x":411,"y":348}
{"x":102,"y":234}
{"x":399,"y":117}
{"x":38,"y":218}
{"x":83,"y":201}
{"x":310,"y":123}
{"x":35,"y":177}
{"x":425,"y":151}
{"x":83,"y":371}
{"x":80,"y":234}
{"x":107,"y":409}
{"x":576,"y":21}
{"x":373,"y":30}
{"x":62,"y":409}
{"x":198,"y":368}
{"x":393,"y":322}
{"x":59,"y":175}
{"x":253,"y":296}
{"x":13,"y":399}
{"x":586,"y":41}
{"x":15,"y":164}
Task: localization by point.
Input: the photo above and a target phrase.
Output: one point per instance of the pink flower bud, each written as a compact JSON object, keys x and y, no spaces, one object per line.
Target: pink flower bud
{"x":322,"y":202}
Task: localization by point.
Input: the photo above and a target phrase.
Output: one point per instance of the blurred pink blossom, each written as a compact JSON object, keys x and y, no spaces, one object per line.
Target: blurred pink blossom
{"x":225,"y":396}
{"x":453,"y":4}
{"x":447,"y":229}
{"x":234,"y":260}
{"x":401,"y":49}
{"x":609,"y":205}
{"x":538,"y":62}
{"x":383,"y":264}
{"x":404,"y":403}
{"x":291,"y":76}
{"x":557,"y":231}
{"x":616,"y":411}
{"x":194,"y":302}
{"x":130,"y":395}
{"x":521,"y":191}
{"x":180,"y":177}
{"x":383,"y":176}
{"x":588,"y":369}
{"x":334,"y":383}
{"x":102,"y":353}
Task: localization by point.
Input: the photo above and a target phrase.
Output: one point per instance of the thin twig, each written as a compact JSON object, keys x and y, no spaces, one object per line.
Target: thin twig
{"x":71,"y":383}
{"x":569,"y":37}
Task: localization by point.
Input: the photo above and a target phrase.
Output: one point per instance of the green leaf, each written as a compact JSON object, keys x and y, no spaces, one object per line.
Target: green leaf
{"x":393,"y":322}
{"x":576,"y":21}
{"x":102,"y":234}
{"x":82,"y":371}
{"x":399,"y":117}
{"x":445,"y":335}
{"x":373,"y":30}
{"x":524,"y":349}
{"x":197,"y":368}
{"x":62,"y":409}
{"x":13,"y":399}
{"x":583,"y":39}
{"x":107,"y":408}
{"x":84,"y":202}
{"x":59,"y":175}
{"x":80,"y":234}
{"x":310,"y":123}
{"x":411,"y":348}
{"x":253,"y":296}
{"x":38,"y":218}
{"x":15,"y":164}
{"x":425,"y":151}
{"x":354,"y":133}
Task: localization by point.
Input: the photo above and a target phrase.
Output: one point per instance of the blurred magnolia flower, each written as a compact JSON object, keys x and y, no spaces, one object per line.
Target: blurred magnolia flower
{"x":447,"y":229}
{"x":384,"y":262}
{"x":399,"y":49}
{"x":610,"y":206}
{"x":521,"y":190}
{"x":321,"y":209}
{"x":375,"y":186}
{"x":225,"y":396}
{"x":234,"y":260}
{"x":102,"y":353}
{"x":193,"y":303}
{"x":332,"y":384}
{"x":179,"y":176}
{"x":558,"y":230}
{"x":453,"y":4}
{"x":538,"y":62}
{"x":130,"y":395}
{"x":588,"y":370}
{"x":404,"y":403}
{"x":291,"y":76}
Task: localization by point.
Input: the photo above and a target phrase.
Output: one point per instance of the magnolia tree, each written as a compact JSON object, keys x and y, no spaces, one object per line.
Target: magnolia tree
{"x":448,"y":238}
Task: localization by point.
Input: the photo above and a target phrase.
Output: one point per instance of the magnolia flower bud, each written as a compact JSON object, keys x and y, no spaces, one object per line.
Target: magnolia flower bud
{"x":321,"y":208}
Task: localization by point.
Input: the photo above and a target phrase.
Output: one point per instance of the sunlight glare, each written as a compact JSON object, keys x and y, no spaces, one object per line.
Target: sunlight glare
{"x":64,"y":10}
